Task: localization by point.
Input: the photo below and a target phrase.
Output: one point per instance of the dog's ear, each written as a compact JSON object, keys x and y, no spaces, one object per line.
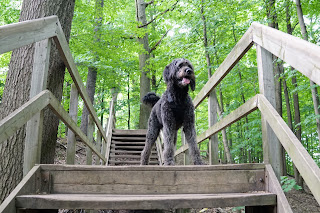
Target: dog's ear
{"x":166,"y":74}
{"x":193,"y":84}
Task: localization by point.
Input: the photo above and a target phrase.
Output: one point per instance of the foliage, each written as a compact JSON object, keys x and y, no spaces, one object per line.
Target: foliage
{"x":288,"y":184}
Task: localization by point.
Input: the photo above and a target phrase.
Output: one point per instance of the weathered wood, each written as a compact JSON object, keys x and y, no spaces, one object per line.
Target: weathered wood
{"x":230,"y":61}
{"x":90,"y":131}
{"x":73,"y":112}
{"x":151,"y":179}
{"x":17,"y":35}
{"x":28,"y":185}
{"x":131,"y":156}
{"x":127,"y":132}
{"x":10,"y":124}
{"x":247,"y":166}
{"x":212,"y":117}
{"x":308,"y":169}
{"x":302,"y":55}
{"x":166,"y":201}
{"x":271,"y":145}
{"x":273,"y":186}
{"x":159,"y":148}
{"x":98,"y":146}
{"x":118,"y":138}
{"x":260,"y":209}
{"x":127,"y":143}
{"x":33,"y":140}
{"x":66,"y":56}
{"x":234,"y":116}
{"x":64,"y":116}
{"x":109,"y":131}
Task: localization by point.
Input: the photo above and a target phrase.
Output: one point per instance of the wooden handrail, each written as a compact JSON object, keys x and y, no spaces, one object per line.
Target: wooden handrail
{"x":20,"y":116}
{"x":109,"y":131}
{"x":242,"y":111}
{"x":17,"y":35}
{"x":20,"y":34}
{"x":308,"y":169}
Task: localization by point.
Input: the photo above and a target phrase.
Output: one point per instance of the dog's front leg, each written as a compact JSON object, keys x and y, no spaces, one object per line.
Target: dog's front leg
{"x":170,"y":137}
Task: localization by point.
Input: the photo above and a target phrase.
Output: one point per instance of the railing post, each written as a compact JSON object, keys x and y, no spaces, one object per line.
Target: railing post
{"x":98,"y":146}
{"x":213,"y":140}
{"x":90,"y":131}
{"x":186,"y":157}
{"x":73,"y":112}
{"x":32,"y":150}
{"x":271,"y":144}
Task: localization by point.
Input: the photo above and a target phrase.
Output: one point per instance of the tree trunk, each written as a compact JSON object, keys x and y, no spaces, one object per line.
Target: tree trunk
{"x":143,"y":58}
{"x":92,"y":71}
{"x":314,"y":90}
{"x":17,"y":89}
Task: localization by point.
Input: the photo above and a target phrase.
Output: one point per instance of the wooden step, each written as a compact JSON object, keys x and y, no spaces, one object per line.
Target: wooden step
{"x":128,"y":143}
{"x":111,"y":161}
{"x":116,"y":138}
{"x":137,"y":132}
{"x":130,"y":156}
{"x":150,"y":201}
{"x":129,"y":151}
{"x":127,"y":147}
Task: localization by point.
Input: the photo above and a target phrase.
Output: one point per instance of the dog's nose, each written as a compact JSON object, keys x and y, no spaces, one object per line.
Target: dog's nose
{"x":188,"y":71}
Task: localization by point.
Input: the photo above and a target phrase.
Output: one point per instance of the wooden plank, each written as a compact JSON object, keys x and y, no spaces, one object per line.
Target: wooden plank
{"x":128,"y":138}
{"x":109,"y":131}
{"x":98,"y":145}
{"x":247,"y":166}
{"x":127,"y":143}
{"x":159,"y":149}
{"x":271,"y":146}
{"x":230,"y":61}
{"x":10,"y":124}
{"x":90,"y":131}
{"x":308,"y":169}
{"x":130,"y":132}
{"x":151,"y":162}
{"x":234,"y":116}
{"x":132,"y":156}
{"x":66,"y":56}
{"x":148,"y":179}
{"x":166,"y":201}
{"x":127,"y":147}
{"x":273,"y":186}
{"x":64,"y":116}
{"x":73,"y":112}
{"x":26,"y":186}
{"x":302,"y":55}
{"x":17,"y":35}
{"x":39,"y":78}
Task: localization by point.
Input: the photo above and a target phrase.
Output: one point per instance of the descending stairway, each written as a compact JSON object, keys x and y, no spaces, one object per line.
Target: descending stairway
{"x":126,"y":148}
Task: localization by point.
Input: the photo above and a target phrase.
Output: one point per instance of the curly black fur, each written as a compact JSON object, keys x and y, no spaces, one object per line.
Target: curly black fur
{"x":150,"y":99}
{"x":172,"y":111}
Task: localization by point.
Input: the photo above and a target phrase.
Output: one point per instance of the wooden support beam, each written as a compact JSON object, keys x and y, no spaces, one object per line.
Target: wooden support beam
{"x":308,"y":169}
{"x":234,"y":116}
{"x":212,"y":117}
{"x":33,"y":141}
{"x":273,"y":185}
{"x":10,"y":124}
{"x":17,"y":35}
{"x":109,"y":131}
{"x":98,"y":146}
{"x":302,"y":55}
{"x":73,"y":112}
{"x":90,"y":131}
{"x":271,"y":145}
{"x":64,"y":116}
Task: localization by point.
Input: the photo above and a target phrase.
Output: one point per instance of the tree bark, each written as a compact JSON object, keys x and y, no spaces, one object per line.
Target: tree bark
{"x":314,"y":90}
{"x":17,"y":89}
{"x":92,"y":71}
{"x":143,"y":58}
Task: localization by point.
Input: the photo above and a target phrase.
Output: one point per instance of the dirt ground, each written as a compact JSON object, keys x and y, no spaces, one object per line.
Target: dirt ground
{"x":301,"y":201}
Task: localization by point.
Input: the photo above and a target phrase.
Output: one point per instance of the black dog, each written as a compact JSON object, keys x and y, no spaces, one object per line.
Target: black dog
{"x":173,"y":110}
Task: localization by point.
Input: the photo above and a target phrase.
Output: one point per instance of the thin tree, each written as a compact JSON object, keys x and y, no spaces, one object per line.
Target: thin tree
{"x":17,"y":87}
{"x":92,"y":70}
{"x":313,"y":88}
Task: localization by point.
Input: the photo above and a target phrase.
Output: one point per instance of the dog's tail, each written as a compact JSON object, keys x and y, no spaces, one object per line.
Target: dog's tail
{"x":150,"y":99}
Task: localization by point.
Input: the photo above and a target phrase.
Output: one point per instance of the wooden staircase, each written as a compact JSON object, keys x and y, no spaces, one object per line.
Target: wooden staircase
{"x":145,"y":187}
{"x":126,"y":147}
